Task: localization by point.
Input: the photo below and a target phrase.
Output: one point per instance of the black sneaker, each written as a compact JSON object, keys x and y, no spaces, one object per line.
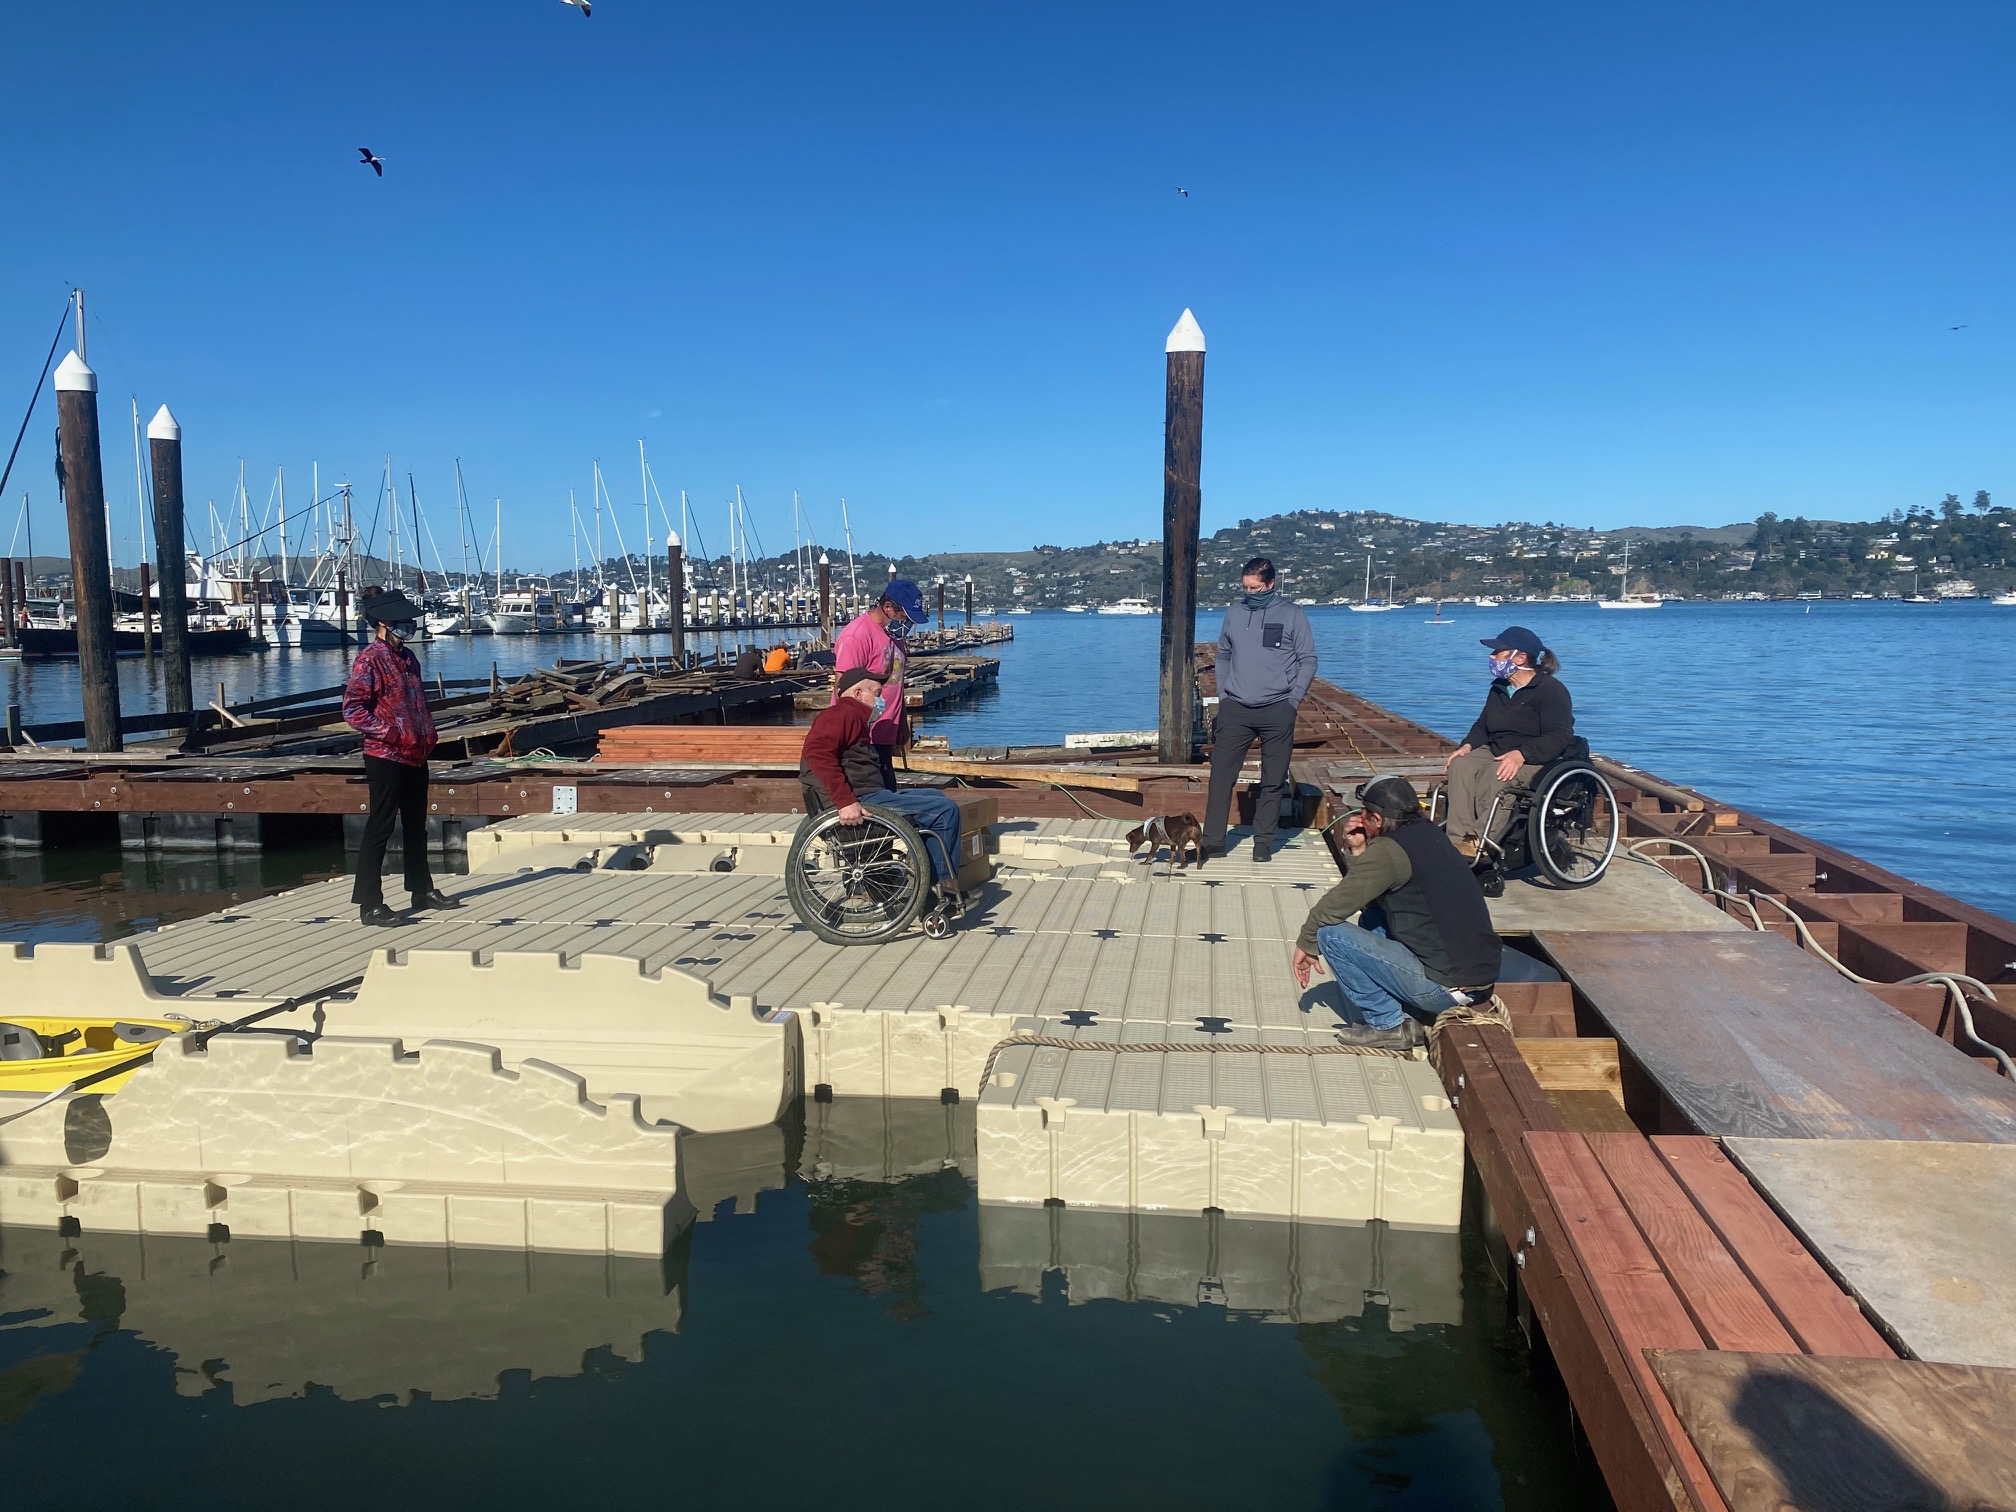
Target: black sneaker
{"x":1405,"y":1035}
{"x":1262,"y":853}
{"x":1211,"y":853}
{"x":435,"y":898}
{"x":376,"y":914}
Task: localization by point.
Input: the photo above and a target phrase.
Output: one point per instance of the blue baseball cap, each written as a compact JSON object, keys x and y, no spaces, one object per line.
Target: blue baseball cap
{"x":908,"y":597}
{"x":1517,"y":638}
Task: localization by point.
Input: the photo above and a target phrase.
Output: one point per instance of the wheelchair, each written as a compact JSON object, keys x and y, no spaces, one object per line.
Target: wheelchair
{"x":1565,"y":823}
{"x":866,"y":883}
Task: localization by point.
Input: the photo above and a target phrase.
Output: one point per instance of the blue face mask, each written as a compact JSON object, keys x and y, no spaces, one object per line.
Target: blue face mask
{"x":881,"y":706}
{"x":1503,"y":665}
{"x":1261,"y":600}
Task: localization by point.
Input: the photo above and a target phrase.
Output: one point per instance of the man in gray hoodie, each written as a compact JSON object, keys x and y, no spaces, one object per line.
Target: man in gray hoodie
{"x":1266,"y":661}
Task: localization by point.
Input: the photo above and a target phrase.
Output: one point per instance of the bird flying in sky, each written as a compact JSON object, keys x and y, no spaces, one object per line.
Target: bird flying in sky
{"x":586,"y":7}
{"x":1182,"y":191}
{"x":1961,"y":327}
{"x":372,"y":161}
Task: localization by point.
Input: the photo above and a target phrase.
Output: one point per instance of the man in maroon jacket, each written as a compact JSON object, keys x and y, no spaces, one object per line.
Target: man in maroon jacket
{"x":386,"y":701}
{"x":841,"y":769}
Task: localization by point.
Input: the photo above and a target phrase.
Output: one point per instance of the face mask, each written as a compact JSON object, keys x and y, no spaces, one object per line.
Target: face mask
{"x":400,"y":633}
{"x":1503,"y":666}
{"x":881,"y":706}
{"x":1261,"y":600}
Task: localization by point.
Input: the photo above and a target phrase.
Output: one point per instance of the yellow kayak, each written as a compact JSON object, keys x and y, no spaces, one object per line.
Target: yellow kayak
{"x":42,"y":1054}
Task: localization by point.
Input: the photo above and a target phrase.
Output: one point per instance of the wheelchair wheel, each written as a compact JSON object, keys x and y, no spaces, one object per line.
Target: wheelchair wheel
{"x":858,"y":884}
{"x":1571,"y":830}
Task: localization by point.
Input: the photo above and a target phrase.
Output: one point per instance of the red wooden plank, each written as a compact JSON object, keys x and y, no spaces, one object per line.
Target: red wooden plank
{"x":1636,"y":1461}
{"x":1637,"y":1300}
{"x":1717,"y":1292}
{"x":1817,"y":1312}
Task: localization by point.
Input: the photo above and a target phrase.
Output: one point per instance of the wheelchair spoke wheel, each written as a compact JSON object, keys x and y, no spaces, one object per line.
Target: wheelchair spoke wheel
{"x":1573,"y":825}
{"x":857,"y":884}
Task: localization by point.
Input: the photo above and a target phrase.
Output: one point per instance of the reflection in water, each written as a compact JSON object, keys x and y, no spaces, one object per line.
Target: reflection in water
{"x":261,"y":1319}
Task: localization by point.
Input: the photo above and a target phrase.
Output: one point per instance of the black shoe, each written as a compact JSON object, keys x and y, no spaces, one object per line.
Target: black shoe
{"x":435,"y":898}
{"x":1405,"y":1035}
{"x":1211,"y":853}
{"x":377,"y":914}
{"x":1262,"y":853}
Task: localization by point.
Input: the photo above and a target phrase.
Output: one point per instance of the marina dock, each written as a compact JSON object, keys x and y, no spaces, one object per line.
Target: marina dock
{"x":1709,"y":1157}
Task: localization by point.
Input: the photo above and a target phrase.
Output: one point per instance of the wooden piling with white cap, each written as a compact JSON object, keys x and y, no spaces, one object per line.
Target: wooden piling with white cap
{"x":164,"y":446}
{"x":90,"y":564}
{"x":1182,"y":500}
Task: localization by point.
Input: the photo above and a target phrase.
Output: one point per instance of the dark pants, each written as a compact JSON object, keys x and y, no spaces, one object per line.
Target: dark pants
{"x":1237,"y":727}
{"x":398,"y":792}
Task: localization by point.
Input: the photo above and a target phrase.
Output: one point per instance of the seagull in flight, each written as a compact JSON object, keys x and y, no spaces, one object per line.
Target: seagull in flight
{"x":1182,"y":191}
{"x":1961,"y":327}
{"x":586,"y":7}
{"x":371,"y":160}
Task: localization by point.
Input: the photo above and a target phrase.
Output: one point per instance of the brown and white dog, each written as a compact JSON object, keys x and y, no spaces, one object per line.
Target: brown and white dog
{"x":1180,"y":832}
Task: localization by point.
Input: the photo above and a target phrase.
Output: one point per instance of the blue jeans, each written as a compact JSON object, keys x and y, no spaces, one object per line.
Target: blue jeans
{"x":1380,"y":978}
{"x":929,"y":811}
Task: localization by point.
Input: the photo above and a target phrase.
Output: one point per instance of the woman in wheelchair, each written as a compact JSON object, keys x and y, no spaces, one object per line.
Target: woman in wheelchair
{"x":1528,"y":721}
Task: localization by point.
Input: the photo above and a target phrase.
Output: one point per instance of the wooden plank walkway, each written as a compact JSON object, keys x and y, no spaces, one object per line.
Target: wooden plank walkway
{"x":1846,"y":1435}
{"x":1749,"y":1036}
{"x":1921,"y":1231}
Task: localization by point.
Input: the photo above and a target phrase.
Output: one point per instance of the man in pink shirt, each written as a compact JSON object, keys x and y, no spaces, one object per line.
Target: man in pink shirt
{"x":873,"y":642}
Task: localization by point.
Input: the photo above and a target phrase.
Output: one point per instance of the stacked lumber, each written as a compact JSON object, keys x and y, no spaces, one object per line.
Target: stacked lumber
{"x":671,"y":745}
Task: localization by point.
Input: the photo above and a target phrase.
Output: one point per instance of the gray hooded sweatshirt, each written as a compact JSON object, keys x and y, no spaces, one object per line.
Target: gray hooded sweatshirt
{"x":1254,"y":672}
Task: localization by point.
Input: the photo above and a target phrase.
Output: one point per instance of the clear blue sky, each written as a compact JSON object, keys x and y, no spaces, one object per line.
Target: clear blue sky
{"x":1595,"y":263}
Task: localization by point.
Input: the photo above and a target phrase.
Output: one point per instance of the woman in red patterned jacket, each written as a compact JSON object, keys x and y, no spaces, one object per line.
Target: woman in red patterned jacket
{"x":386,"y":701}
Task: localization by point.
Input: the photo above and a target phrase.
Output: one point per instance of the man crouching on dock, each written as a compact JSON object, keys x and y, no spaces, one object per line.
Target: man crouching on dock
{"x":1424,"y":941}
{"x":386,"y":701}
{"x":841,"y":767}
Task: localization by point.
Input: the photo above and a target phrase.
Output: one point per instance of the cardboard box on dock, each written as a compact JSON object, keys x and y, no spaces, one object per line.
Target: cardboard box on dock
{"x":977,"y":810}
{"x":975,"y":865}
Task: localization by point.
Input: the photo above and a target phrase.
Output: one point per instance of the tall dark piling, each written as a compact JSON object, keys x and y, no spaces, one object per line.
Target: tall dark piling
{"x":825,"y":599}
{"x":90,"y":564}
{"x":675,"y":596}
{"x":941,"y":606}
{"x":1182,"y":500}
{"x":164,"y":447}
{"x":969,"y":601}
{"x":8,"y":638}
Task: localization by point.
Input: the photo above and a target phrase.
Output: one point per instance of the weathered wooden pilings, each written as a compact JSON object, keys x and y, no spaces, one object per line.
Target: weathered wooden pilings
{"x":825,"y":599}
{"x":1182,"y":500}
{"x":7,"y":611}
{"x":90,"y":564}
{"x":164,"y":446}
{"x":969,"y":601}
{"x":675,"y":595}
{"x":941,"y":606}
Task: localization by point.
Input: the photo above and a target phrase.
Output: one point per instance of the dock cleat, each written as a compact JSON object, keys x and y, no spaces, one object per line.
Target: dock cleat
{"x":1403,"y":1036}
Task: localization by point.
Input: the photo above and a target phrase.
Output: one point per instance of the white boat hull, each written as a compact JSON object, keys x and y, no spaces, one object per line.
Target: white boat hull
{"x":1629,"y":603}
{"x":512,"y":624}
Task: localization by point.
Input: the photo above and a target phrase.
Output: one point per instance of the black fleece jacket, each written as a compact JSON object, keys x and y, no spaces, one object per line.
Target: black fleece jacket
{"x":1537,"y":720}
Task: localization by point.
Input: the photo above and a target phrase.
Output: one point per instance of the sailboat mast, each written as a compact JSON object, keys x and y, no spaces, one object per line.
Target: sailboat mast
{"x":644,"y":503}
{"x":847,"y":529}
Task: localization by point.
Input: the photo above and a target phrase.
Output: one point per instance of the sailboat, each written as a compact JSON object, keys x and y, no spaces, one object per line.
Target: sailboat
{"x":1365,"y":605}
{"x":1626,"y":599}
{"x":1916,"y":597}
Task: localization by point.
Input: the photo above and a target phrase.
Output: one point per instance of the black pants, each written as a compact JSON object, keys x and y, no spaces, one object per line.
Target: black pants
{"x":1237,"y":727}
{"x":398,"y":792}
